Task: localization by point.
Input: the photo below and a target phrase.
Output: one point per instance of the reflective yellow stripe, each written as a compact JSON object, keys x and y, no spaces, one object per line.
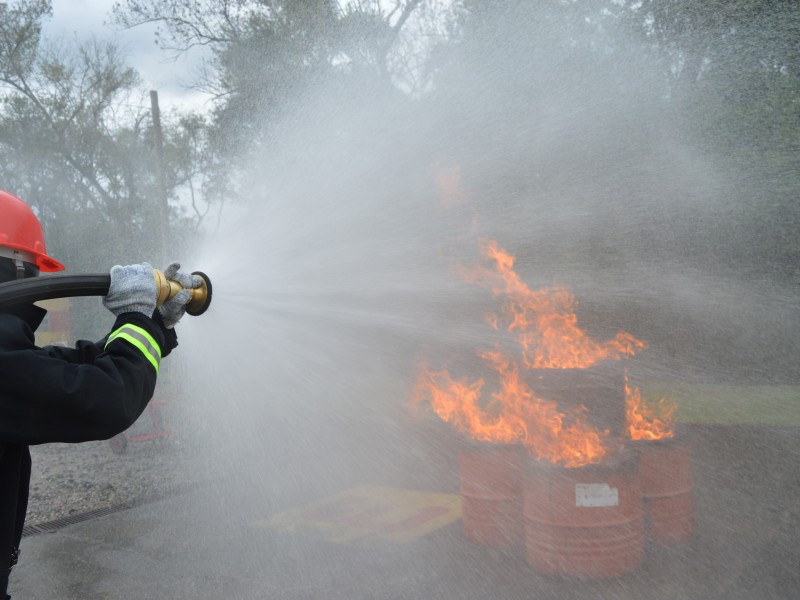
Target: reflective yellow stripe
{"x":142,"y":340}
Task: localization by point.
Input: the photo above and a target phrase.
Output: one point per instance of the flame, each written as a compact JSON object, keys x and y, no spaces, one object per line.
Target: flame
{"x":511,"y":414}
{"x":544,"y":321}
{"x":544,"y":324}
{"x":458,"y":402}
{"x":649,"y":421}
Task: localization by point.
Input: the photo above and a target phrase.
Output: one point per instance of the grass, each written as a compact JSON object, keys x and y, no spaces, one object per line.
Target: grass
{"x":730,"y":404}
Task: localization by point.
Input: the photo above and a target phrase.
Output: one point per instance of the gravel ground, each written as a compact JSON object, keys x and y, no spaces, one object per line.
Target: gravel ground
{"x":69,"y":479}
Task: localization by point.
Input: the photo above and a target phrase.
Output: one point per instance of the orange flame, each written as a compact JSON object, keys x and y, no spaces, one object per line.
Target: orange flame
{"x":511,"y":414}
{"x":544,"y":320}
{"x":545,"y":325}
{"x":458,"y":402}
{"x":649,"y":421}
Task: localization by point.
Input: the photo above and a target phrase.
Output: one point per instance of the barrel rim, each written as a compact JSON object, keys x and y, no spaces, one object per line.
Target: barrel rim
{"x":623,"y":460}
{"x":681,"y":436}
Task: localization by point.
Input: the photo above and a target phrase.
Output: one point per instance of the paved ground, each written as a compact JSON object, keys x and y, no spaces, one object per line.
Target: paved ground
{"x":268,"y":536}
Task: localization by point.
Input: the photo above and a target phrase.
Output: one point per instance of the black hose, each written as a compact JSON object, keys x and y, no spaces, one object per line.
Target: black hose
{"x":47,"y":287}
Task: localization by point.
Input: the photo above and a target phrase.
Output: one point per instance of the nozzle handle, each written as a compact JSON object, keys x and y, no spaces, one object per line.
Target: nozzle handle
{"x":166,"y":289}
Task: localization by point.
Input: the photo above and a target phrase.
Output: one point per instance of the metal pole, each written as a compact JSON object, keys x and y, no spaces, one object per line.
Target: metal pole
{"x":163,"y":204}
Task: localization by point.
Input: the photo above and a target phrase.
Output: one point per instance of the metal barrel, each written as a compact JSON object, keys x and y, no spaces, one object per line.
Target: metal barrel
{"x":584,"y":522}
{"x":491,"y":494}
{"x":666,"y":477}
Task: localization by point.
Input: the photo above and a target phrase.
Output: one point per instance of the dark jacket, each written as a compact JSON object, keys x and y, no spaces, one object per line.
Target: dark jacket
{"x":91,"y":392}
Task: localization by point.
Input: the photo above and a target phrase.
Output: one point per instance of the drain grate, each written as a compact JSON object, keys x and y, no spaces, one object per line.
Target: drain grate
{"x":55,"y":525}
{"x":51,"y":526}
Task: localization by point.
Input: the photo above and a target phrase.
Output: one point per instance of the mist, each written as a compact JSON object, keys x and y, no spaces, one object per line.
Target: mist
{"x":339,"y":275}
{"x":342,"y":275}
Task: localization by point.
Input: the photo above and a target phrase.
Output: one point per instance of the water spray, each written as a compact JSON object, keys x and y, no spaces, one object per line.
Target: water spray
{"x":26,"y":291}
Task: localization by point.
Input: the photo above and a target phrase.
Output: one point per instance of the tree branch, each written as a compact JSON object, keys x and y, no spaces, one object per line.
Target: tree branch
{"x":383,"y":52}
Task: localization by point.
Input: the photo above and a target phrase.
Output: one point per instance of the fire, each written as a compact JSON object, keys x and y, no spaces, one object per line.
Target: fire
{"x":544,"y":324}
{"x":458,"y":402}
{"x":649,"y":421}
{"x":511,"y":414}
{"x":544,"y":321}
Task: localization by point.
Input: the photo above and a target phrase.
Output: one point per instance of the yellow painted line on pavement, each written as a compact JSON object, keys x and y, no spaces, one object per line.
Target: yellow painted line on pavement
{"x":369,"y":513}
{"x":729,"y":404}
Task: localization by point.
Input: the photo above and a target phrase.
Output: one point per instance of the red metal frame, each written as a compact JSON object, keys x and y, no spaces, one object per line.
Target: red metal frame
{"x":157,"y":431}
{"x":119,"y":443}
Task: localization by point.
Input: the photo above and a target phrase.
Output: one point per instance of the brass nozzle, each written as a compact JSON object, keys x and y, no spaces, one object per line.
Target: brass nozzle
{"x":167,"y":289}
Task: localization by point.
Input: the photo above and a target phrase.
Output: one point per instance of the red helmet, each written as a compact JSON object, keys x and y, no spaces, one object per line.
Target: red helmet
{"x":21,"y":234}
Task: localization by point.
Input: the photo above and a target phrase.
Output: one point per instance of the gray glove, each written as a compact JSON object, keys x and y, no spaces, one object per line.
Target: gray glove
{"x":132,"y":289}
{"x":173,"y":309}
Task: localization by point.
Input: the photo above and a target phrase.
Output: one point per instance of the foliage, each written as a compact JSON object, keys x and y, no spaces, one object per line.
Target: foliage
{"x":734,"y":73}
{"x":76,"y":141}
{"x":611,"y":92}
{"x":268,"y":57}
{"x":594,"y":82}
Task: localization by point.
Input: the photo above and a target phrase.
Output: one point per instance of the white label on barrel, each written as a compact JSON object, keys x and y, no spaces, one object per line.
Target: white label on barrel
{"x":596,"y":494}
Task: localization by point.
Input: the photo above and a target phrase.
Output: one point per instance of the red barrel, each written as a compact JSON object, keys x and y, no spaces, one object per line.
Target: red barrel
{"x":491,"y":494}
{"x":584,"y":522}
{"x":666,"y":475}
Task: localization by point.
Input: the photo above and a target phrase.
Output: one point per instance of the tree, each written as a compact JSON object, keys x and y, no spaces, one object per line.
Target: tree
{"x":268,"y":59}
{"x":734,"y":74}
{"x":76,"y":140}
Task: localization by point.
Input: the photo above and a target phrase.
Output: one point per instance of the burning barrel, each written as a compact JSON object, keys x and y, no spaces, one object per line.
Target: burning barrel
{"x":666,"y":478}
{"x":491,"y":494}
{"x":586,"y":521}
{"x":601,"y":389}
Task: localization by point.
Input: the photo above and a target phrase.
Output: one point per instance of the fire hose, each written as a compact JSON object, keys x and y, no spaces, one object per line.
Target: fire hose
{"x":26,"y":291}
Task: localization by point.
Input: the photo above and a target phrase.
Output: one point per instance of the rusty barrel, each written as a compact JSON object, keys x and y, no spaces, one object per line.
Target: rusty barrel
{"x":584,"y":522}
{"x":491,"y":494}
{"x":665,"y":467}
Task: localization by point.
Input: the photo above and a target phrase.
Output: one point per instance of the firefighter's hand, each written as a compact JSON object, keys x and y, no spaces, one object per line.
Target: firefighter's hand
{"x":172,"y":310}
{"x":132,"y":289}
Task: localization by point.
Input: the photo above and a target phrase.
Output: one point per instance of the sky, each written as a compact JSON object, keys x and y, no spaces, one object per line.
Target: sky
{"x":82,"y":19}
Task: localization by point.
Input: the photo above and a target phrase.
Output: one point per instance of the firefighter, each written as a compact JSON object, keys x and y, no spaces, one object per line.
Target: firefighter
{"x":90,"y":392}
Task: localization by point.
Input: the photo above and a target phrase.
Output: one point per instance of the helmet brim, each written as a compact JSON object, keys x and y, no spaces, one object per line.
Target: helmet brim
{"x":48,"y":264}
{"x":45,"y":263}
